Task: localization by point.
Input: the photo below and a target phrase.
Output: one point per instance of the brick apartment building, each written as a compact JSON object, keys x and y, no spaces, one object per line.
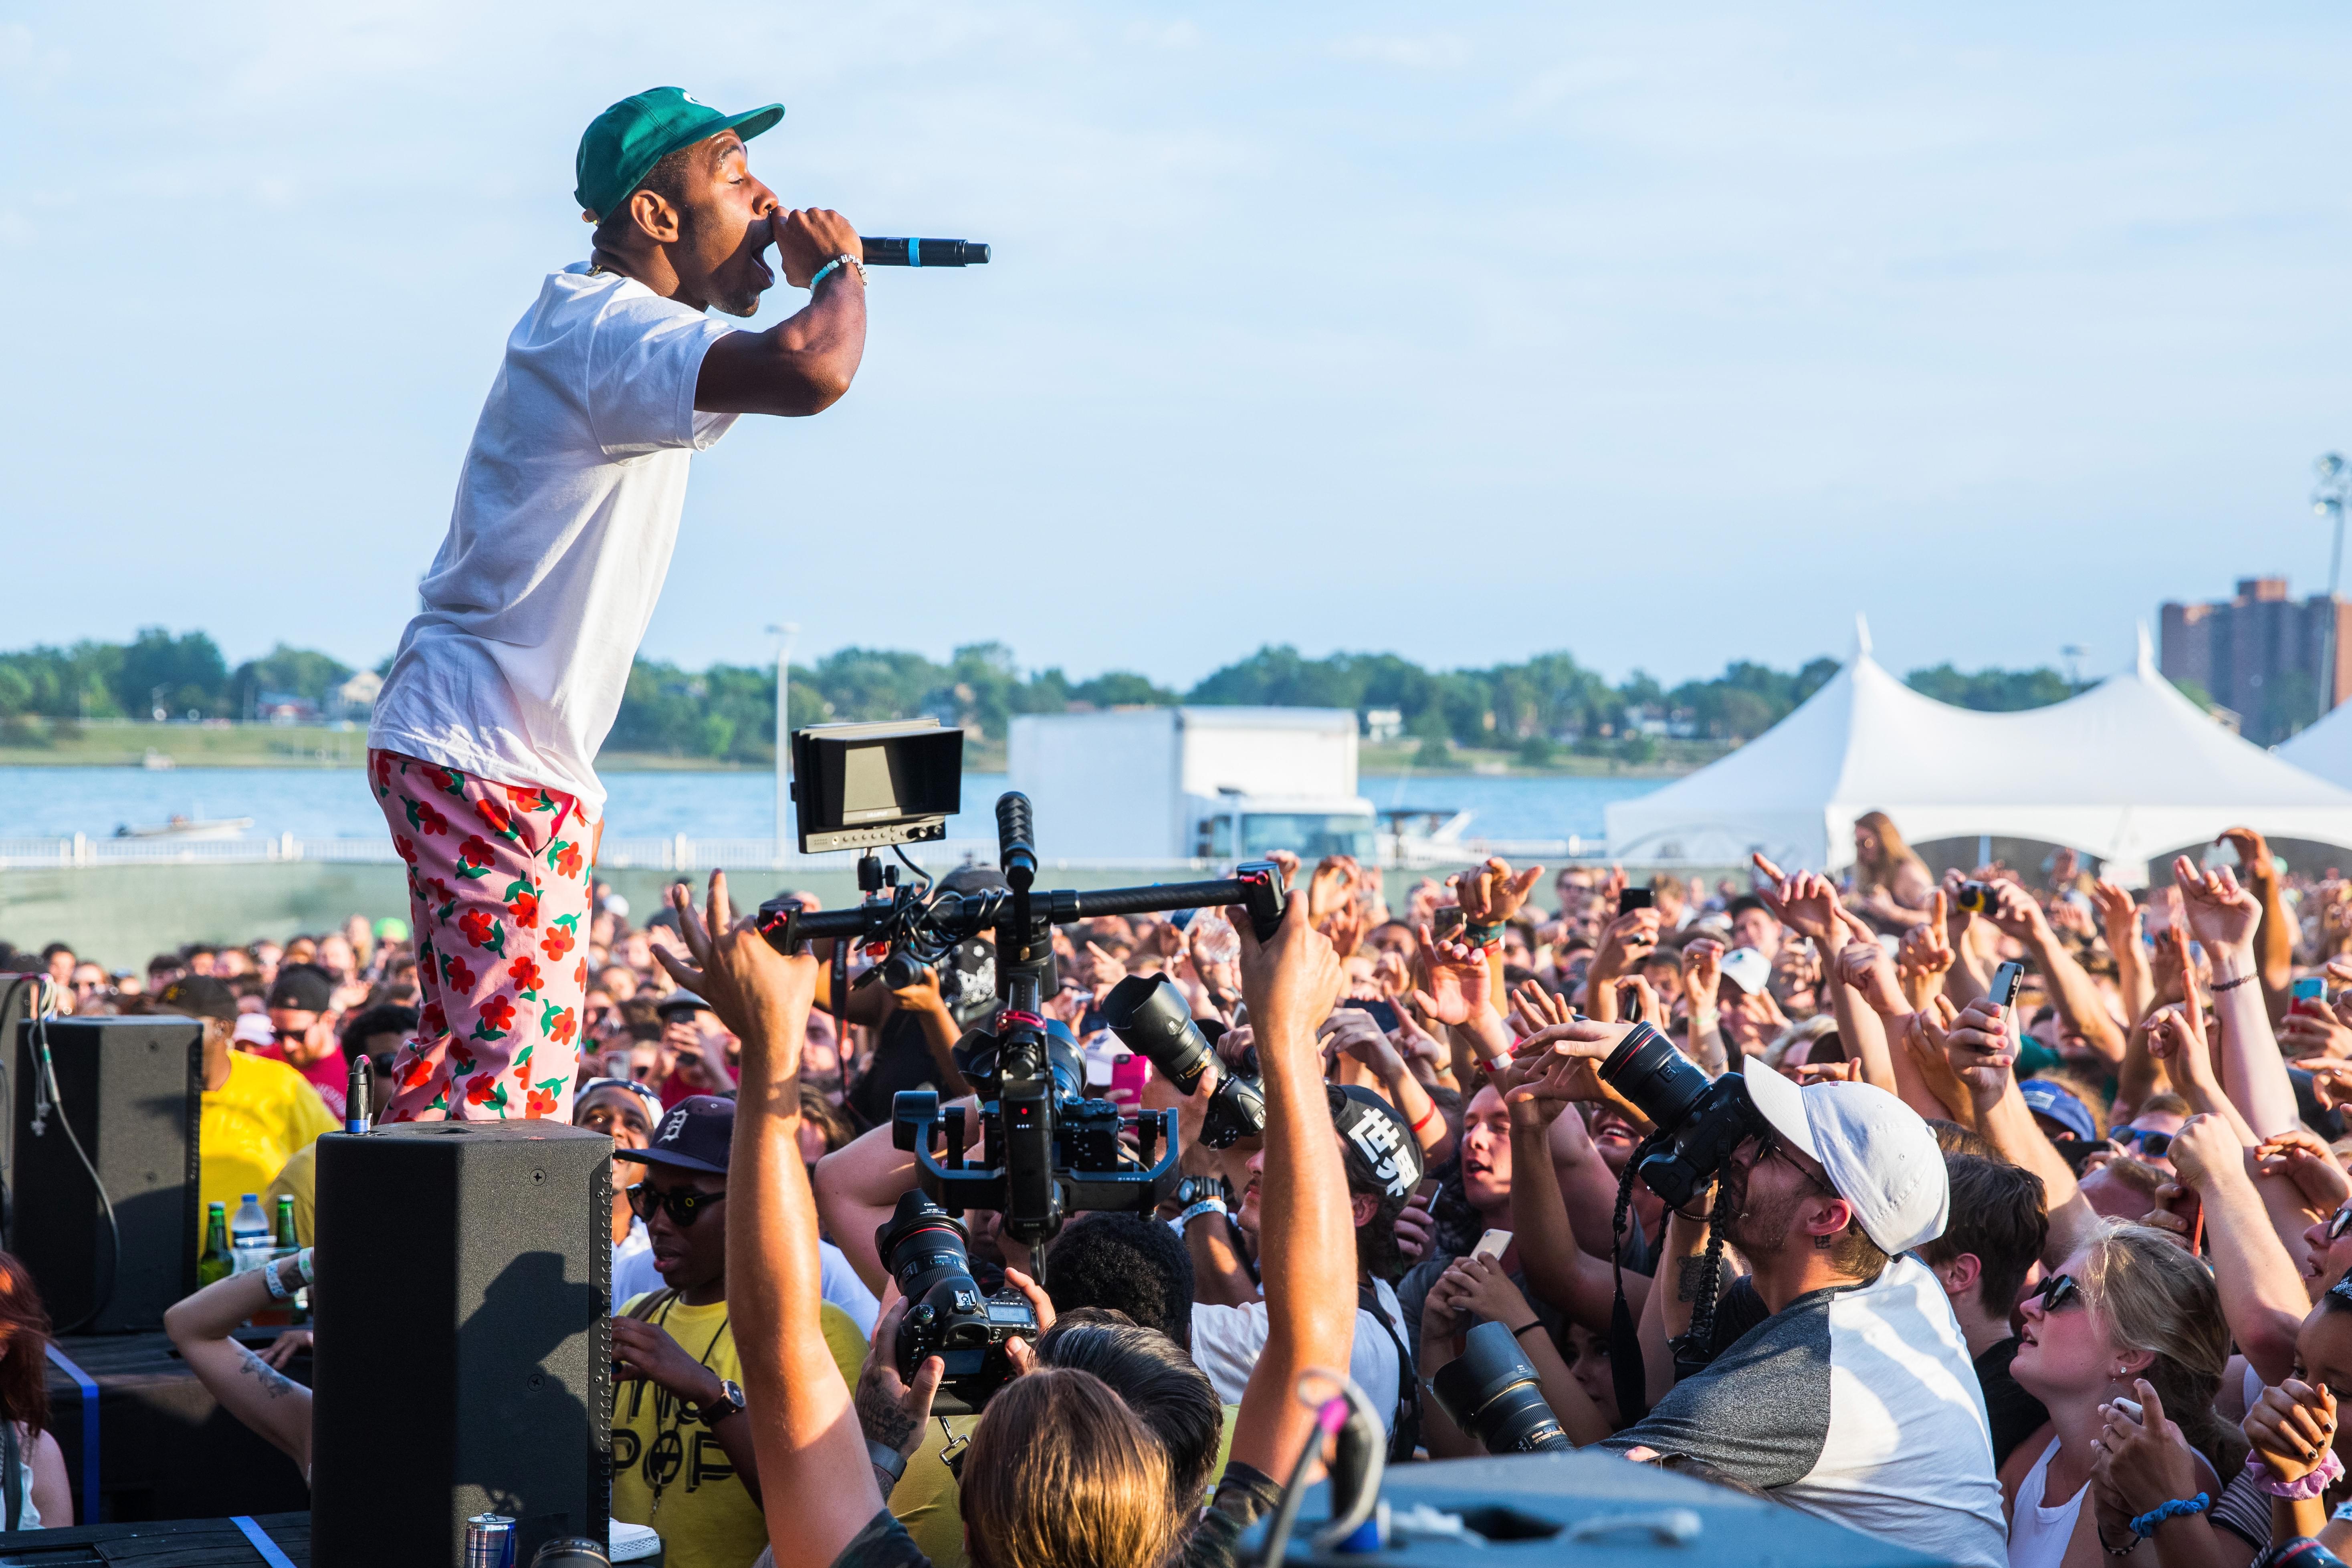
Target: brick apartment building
{"x":2259,"y":655}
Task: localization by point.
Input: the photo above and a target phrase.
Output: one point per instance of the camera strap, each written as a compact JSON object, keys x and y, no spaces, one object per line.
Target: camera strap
{"x":1406,"y":1437}
{"x":1627,"y":1374}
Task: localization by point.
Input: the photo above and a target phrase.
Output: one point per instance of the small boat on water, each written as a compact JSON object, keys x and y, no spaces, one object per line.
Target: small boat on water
{"x":189,"y":829}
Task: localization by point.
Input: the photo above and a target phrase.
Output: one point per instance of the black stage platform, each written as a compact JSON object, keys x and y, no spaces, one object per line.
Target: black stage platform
{"x":164,"y":1449}
{"x":166,"y":1543}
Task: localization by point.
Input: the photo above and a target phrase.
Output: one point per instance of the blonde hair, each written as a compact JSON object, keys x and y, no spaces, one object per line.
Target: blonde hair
{"x":1879,"y":871}
{"x":2158,"y":1297}
{"x":1062,"y":1474}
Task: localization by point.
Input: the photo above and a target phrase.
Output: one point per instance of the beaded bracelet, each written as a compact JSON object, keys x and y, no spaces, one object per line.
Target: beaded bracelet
{"x":2144,"y":1525}
{"x":2220,"y":985}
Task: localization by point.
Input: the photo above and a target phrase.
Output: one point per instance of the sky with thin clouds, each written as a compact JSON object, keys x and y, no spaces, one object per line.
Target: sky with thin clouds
{"x":1666,"y":335}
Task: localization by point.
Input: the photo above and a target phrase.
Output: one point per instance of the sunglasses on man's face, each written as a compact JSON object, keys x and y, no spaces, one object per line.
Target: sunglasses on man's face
{"x":2152,"y":1145}
{"x":2058,"y":1292}
{"x":2338,"y":1222}
{"x":681,"y":1203}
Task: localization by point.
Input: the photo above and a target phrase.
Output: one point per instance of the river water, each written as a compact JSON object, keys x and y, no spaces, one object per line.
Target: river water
{"x":335,"y":803}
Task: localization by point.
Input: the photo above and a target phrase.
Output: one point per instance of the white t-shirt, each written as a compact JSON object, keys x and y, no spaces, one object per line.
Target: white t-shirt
{"x":1228,"y":1341}
{"x":566,"y":514}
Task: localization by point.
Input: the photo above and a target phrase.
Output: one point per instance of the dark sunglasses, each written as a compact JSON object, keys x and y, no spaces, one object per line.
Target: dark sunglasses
{"x":682,"y":1205}
{"x":2152,"y":1145}
{"x":2337,"y":1223}
{"x":2058,"y":1292}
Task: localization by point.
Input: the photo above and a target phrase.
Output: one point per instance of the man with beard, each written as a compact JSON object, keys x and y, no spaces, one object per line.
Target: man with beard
{"x":509,"y":678}
{"x":1854,"y":1397}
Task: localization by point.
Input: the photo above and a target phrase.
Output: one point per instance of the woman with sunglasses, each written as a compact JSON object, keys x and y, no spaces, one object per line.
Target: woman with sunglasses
{"x":2129,"y":1307}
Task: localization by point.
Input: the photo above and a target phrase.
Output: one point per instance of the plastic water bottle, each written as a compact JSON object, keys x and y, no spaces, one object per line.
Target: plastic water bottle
{"x":250,"y":1243}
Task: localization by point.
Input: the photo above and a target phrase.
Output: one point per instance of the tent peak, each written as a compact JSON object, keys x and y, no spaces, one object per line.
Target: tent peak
{"x":1861,"y":638}
{"x":2146,"y":664}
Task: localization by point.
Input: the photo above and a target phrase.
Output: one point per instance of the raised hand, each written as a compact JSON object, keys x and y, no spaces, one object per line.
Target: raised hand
{"x":761,"y":995}
{"x":1864,"y":967}
{"x":2218,"y":910}
{"x":1474,"y":1284}
{"x":1490,"y":894}
{"x":1702,"y":969}
{"x":2119,"y":918}
{"x":1807,"y":904}
{"x":1457,"y":984}
{"x":2206,"y":1145}
{"x":1923,"y":1036}
{"x":1628,"y":939}
{"x":1106,"y":971}
{"x":2308,"y":1035}
{"x":1351,"y":1031}
{"x":1416,"y":1230}
{"x":2331,"y":1080}
{"x":2291,"y":1427}
{"x":1333,"y":884}
{"x":2299,"y":1156}
{"x":2147,"y":1462}
{"x":2254,"y":852}
{"x":1979,"y":1052}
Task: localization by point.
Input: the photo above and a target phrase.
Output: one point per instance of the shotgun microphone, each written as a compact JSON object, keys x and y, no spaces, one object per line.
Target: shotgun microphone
{"x":889,"y":252}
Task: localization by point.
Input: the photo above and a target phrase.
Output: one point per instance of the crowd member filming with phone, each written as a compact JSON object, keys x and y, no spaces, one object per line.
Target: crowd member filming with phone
{"x":1853,"y":1396}
{"x":505,"y":684}
{"x":1060,"y":1470}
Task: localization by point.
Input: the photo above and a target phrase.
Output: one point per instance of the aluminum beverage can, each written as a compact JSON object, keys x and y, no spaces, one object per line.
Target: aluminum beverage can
{"x":490,"y":1541}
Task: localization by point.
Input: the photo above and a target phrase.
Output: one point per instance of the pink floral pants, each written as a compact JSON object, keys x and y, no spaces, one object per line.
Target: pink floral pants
{"x":497,"y":896}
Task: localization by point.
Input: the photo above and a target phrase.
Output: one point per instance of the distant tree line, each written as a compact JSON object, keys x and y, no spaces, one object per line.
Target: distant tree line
{"x":184,"y":676}
{"x":727,"y":712}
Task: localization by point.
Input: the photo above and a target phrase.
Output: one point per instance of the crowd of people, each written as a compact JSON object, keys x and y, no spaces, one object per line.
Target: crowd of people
{"x":2035,"y":1279}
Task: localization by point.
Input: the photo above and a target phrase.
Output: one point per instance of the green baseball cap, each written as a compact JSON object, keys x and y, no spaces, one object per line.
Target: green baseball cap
{"x":621,"y":145}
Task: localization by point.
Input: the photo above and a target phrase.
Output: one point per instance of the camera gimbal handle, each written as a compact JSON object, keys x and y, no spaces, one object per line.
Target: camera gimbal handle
{"x":956,"y":1185}
{"x":1255,"y":885}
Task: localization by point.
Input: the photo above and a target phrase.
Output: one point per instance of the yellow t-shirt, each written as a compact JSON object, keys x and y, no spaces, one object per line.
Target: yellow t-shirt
{"x":253,"y":1124}
{"x":927,"y":1501}
{"x":297,"y":1179}
{"x":704,"y":1515}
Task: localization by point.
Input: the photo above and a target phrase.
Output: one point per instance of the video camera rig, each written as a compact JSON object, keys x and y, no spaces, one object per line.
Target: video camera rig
{"x":1047,"y":1149}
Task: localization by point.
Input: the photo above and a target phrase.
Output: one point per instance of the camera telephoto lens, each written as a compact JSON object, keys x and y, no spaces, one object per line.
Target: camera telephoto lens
{"x":1152,"y":1019}
{"x":925,"y":1249}
{"x":1490,"y":1391}
{"x":1659,"y":1080}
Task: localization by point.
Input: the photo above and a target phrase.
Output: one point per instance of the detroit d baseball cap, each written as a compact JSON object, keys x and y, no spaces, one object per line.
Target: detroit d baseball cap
{"x":1879,"y":1156}
{"x":199,"y":996}
{"x":621,"y":145}
{"x":694,"y":1136}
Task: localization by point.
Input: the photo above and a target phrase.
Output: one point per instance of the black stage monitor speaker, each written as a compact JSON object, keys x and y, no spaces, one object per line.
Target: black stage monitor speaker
{"x":111,"y":1105}
{"x":463,"y":1360}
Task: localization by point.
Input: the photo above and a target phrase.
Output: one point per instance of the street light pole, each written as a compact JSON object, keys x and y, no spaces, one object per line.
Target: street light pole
{"x":2328,"y":500}
{"x":787,"y":632}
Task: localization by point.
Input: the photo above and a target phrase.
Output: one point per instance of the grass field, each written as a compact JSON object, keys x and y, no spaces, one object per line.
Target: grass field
{"x":35,"y":743}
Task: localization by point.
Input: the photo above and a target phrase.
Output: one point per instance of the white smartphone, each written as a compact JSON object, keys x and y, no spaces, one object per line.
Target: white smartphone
{"x":2128,"y":1406}
{"x":1492,"y":1244}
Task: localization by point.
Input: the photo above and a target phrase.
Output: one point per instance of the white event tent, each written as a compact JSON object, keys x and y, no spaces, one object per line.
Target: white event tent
{"x":2325,"y":747}
{"x":2124,"y":771}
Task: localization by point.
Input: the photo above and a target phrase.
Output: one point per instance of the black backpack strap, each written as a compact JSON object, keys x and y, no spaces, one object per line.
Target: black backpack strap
{"x":1406,"y":1437}
{"x":651,"y":1302}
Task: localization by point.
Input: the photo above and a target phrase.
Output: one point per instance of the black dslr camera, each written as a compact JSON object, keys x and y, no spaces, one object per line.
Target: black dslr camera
{"x":1046,"y":1148}
{"x":1699,"y":1122}
{"x":1151,"y":1018}
{"x":924,"y":1248}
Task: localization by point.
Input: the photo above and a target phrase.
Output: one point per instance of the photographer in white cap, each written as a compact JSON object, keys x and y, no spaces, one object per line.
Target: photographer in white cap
{"x":1854,"y":1397}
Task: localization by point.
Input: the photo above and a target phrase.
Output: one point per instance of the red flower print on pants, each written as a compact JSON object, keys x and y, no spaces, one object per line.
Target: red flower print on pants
{"x":494,"y":865}
{"x":404,"y":850}
{"x":497,"y":1019}
{"x":559,"y":939}
{"x":484,"y":928}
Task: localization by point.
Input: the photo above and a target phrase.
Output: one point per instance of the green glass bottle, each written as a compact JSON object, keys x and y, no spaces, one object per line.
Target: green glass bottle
{"x":216,"y":1264}
{"x":287,"y":1247}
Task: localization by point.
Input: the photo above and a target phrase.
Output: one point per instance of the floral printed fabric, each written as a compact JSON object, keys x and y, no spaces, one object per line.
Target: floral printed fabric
{"x":498,"y":894}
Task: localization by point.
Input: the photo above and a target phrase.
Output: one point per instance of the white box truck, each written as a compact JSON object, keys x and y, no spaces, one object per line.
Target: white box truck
{"x":1192,"y":783}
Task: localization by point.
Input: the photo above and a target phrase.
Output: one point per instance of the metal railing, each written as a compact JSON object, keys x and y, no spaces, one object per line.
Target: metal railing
{"x":677,"y":852}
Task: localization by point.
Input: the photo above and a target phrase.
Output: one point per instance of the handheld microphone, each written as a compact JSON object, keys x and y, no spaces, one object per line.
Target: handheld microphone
{"x":884,"y":251}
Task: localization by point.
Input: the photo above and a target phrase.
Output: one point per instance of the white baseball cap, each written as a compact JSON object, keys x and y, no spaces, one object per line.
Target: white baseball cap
{"x":1879,"y":1154}
{"x":1749,"y":969}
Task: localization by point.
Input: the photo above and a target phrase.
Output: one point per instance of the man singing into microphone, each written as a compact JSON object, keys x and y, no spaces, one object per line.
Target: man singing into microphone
{"x":506,"y":681}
